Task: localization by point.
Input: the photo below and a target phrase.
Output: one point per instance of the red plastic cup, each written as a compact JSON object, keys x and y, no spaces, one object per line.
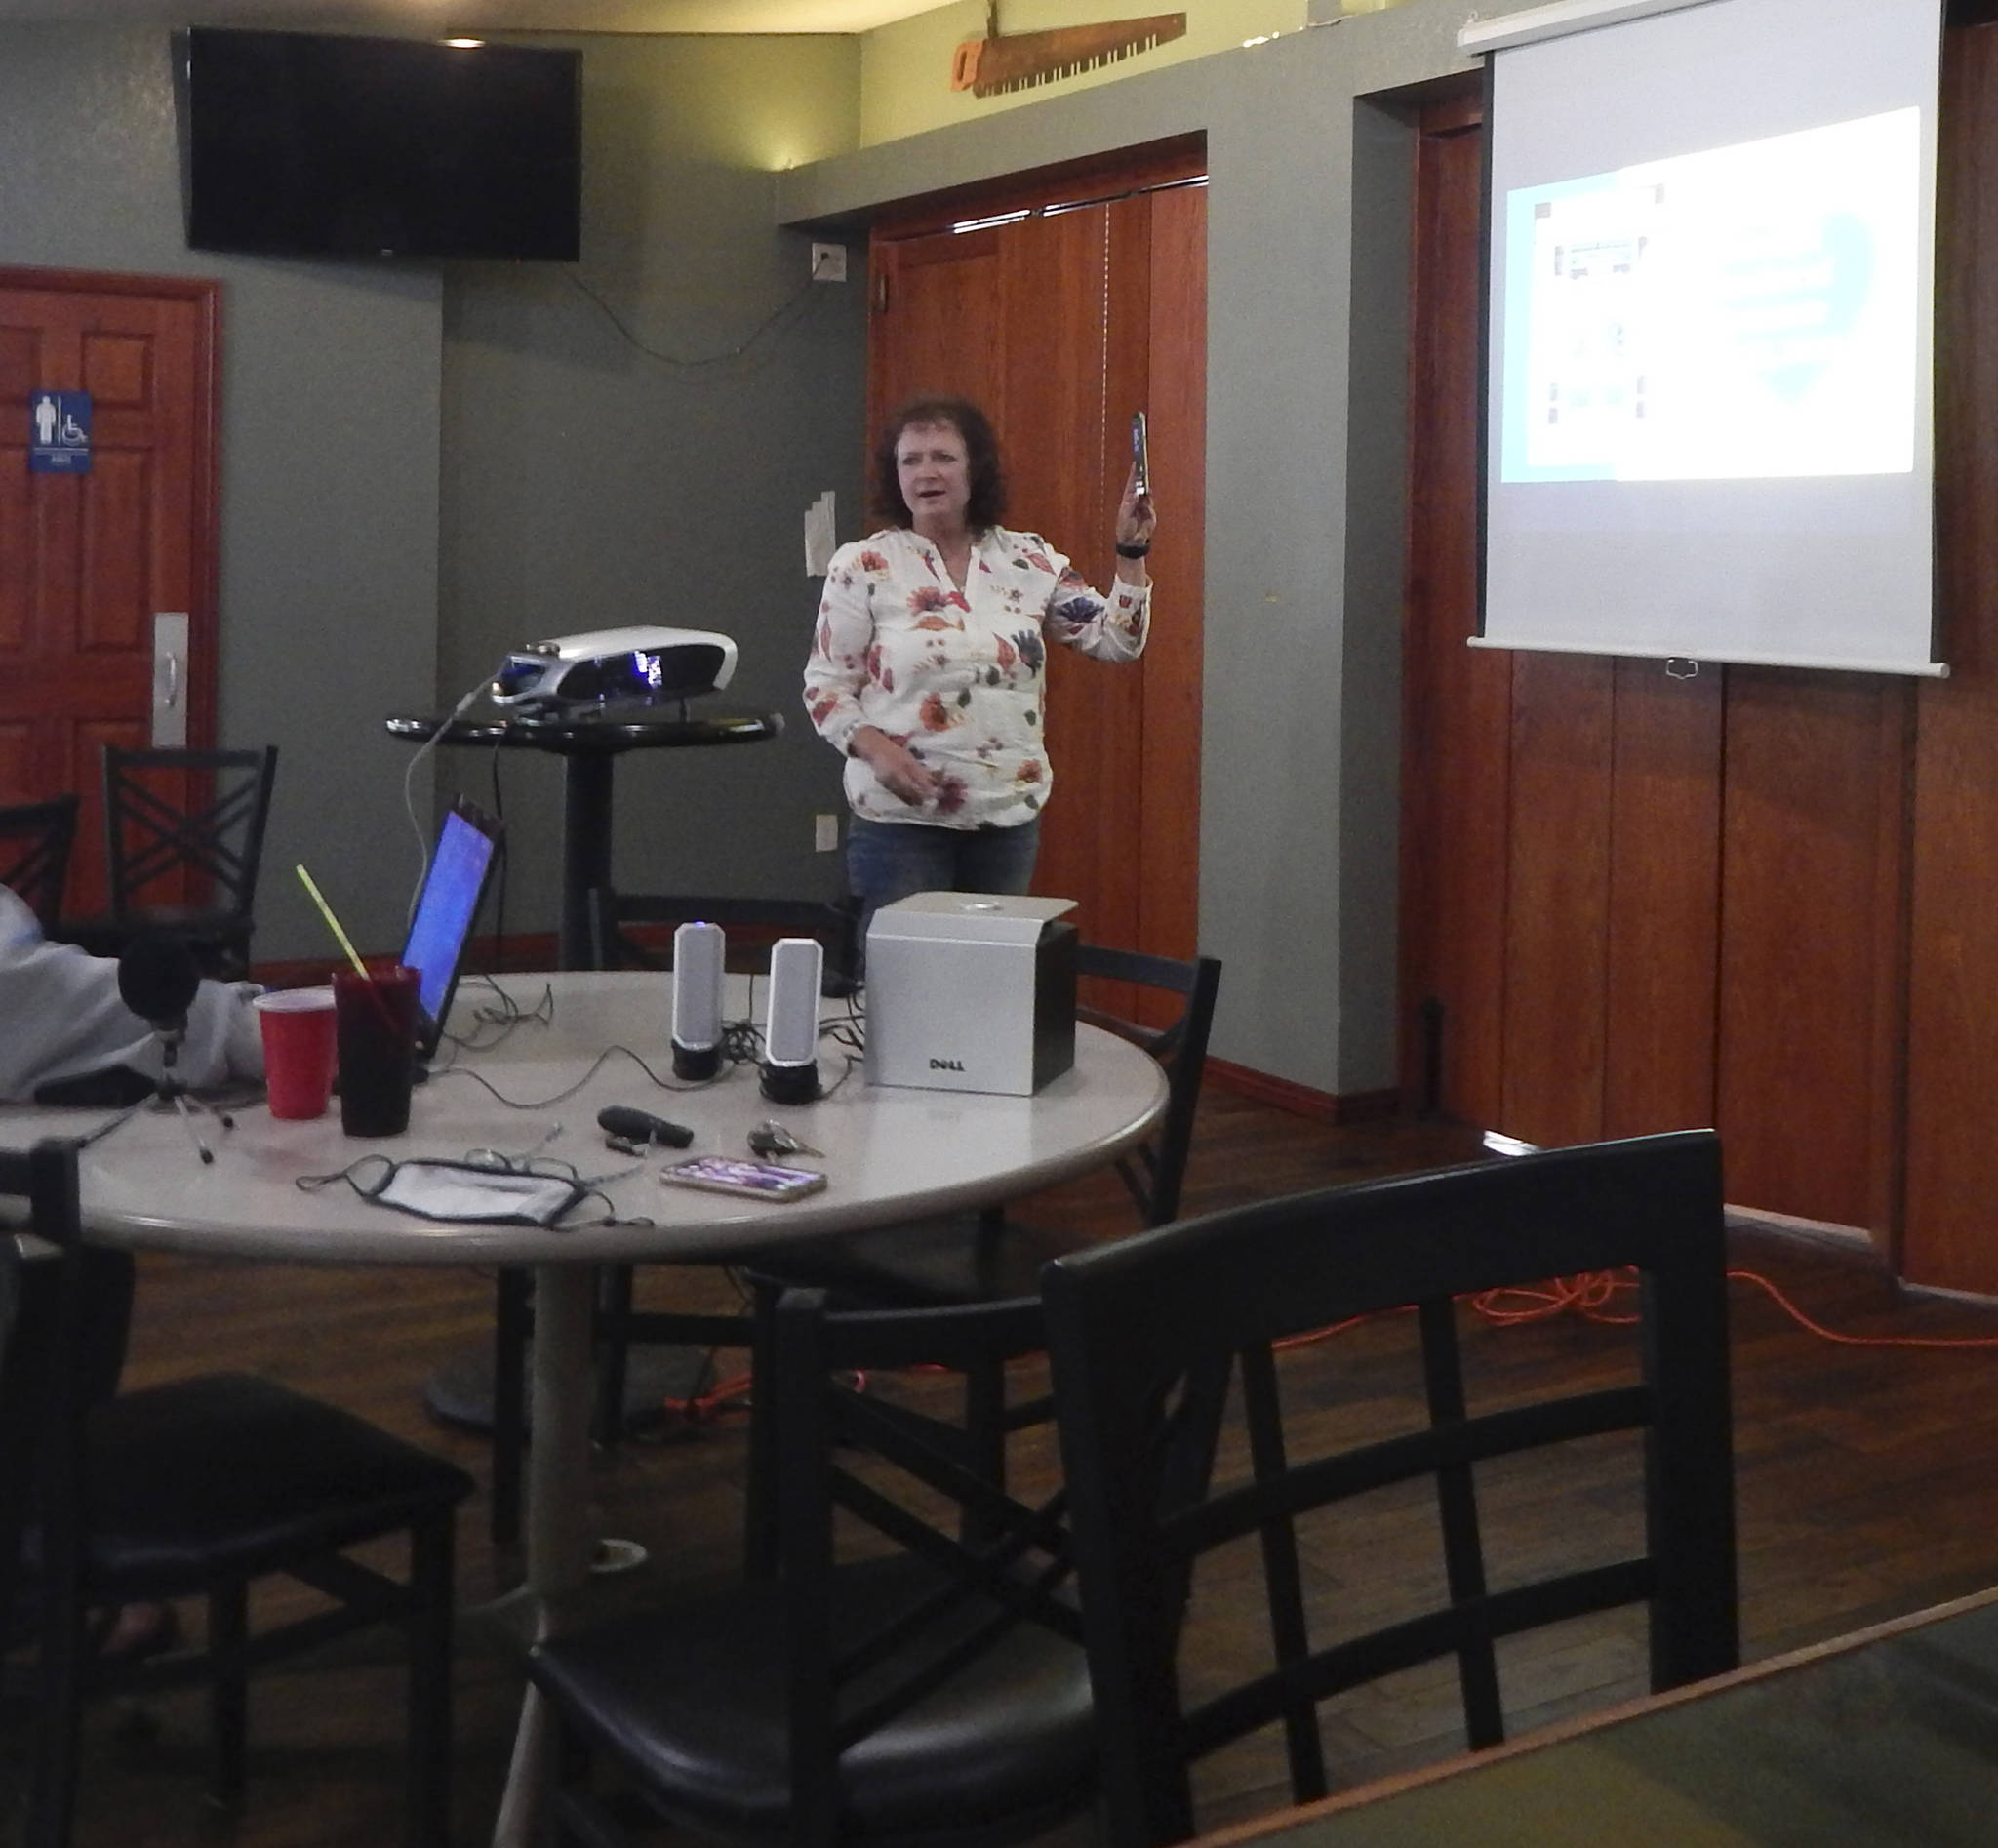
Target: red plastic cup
{"x":375,"y":1018}
{"x":299,"y":1047}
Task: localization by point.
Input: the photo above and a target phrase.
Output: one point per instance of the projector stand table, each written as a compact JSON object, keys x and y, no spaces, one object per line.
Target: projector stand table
{"x":588,"y":744}
{"x":462,"y":1391}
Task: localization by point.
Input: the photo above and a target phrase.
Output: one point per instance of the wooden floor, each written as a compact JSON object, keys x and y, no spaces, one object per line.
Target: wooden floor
{"x":1868,"y":1485}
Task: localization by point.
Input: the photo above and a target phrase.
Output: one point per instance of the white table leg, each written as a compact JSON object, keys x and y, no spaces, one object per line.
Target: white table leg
{"x":557,"y":1524}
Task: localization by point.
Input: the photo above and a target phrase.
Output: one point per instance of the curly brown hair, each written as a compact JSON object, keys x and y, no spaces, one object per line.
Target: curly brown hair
{"x":987,"y":503}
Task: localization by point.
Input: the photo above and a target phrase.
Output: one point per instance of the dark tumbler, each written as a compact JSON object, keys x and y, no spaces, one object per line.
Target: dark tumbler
{"x":376,"y":1017}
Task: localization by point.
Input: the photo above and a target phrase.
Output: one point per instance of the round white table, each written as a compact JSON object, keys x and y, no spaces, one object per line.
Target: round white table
{"x":889,"y":1155}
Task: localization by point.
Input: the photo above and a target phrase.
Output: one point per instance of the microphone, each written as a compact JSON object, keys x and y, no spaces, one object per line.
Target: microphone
{"x":158,"y":981}
{"x":697,"y":956}
{"x":641,"y":1126}
{"x":791,"y":1028}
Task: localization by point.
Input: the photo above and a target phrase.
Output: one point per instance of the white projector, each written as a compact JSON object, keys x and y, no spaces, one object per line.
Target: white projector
{"x":970,"y":991}
{"x":623,"y":667}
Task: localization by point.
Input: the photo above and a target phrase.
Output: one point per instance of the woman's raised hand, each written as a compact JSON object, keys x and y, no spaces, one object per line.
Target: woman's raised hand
{"x":1135,"y":516}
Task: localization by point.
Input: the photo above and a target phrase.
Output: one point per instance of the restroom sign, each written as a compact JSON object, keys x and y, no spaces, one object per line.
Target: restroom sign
{"x":58,"y":433}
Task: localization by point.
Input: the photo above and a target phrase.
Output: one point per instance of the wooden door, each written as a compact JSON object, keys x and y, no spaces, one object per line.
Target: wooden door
{"x":1060,"y":323}
{"x":938,"y":316}
{"x":86,"y":560}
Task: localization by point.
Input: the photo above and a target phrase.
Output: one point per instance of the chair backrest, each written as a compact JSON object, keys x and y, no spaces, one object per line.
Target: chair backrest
{"x":67,"y":1314}
{"x":936,"y":1602}
{"x":212,"y":843}
{"x":35,"y":839}
{"x":1158,"y":1172}
{"x":833,"y":922}
{"x":1126,"y":1321}
{"x":18,"y":1182}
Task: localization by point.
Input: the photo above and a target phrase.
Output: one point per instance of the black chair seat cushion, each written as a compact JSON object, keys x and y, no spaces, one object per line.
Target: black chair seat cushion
{"x":228,"y":1475}
{"x":925,"y":1264}
{"x":693,"y":1703}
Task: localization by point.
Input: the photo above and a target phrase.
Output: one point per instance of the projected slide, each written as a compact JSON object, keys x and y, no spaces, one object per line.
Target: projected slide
{"x":1744,"y":313}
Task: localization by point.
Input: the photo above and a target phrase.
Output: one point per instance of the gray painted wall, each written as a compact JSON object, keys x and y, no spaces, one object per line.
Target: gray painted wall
{"x":587,"y":483}
{"x":398,"y":442}
{"x":1307,"y":246}
{"x":328,"y":587}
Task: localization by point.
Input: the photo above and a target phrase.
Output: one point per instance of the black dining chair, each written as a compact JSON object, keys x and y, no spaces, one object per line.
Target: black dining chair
{"x":894,"y":1684}
{"x":1128,"y":1322}
{"x":161,"y":845}
{"x":35,"y":839}
{"x":995,"y":1255}
{"x":198,"y":1488}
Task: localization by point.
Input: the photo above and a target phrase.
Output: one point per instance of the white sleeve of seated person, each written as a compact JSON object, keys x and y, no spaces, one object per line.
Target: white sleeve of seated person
{"x":61,"y":1017}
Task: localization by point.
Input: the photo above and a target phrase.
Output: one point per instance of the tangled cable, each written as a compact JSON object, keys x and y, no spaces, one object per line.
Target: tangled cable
{"x":1590,"y":1293}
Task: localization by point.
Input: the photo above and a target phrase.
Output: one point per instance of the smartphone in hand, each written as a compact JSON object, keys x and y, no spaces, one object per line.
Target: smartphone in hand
{"x":1141,"y":459}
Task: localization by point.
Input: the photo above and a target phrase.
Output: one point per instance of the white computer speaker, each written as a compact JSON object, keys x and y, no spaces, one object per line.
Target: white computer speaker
{"x":790,"y":1028}
{"x":699,"y":952}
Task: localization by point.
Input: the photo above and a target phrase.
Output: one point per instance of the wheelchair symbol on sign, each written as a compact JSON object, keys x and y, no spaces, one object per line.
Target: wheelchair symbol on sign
{"x":57,"y":426}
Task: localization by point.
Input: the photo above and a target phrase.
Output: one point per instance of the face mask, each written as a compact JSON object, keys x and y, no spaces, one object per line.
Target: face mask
{"x":458,"y":1190}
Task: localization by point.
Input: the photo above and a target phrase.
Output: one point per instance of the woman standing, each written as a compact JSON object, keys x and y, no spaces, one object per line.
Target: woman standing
{"x":927,"y":669}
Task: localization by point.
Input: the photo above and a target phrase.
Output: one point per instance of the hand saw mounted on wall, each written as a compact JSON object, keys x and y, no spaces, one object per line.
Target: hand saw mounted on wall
{"x":987,"y":67}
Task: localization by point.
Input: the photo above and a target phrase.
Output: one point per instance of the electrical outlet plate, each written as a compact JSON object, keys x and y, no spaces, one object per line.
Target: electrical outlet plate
{"x":829,"y":262}
{"x":825,"y":834}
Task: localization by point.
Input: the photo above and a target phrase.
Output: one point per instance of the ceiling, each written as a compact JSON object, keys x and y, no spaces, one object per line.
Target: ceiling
{"x":488,"y":16}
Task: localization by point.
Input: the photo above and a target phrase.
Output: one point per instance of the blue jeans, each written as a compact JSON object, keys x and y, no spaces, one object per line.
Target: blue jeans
{"x":887,"y":860}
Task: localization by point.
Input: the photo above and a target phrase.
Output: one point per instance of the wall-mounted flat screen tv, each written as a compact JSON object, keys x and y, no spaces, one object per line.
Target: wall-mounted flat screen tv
{"x":305,"y":144}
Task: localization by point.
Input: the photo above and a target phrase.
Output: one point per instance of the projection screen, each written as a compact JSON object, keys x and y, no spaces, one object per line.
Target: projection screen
{"x":1709,"y":420}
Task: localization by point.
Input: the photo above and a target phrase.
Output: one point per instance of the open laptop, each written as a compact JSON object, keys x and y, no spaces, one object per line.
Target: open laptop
{"x":459,"y":870}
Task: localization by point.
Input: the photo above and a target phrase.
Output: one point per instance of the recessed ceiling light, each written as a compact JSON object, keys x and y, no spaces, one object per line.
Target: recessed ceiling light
{"x":465,"y":44}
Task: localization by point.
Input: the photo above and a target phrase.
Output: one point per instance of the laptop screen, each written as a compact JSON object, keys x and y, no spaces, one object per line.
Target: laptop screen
{"x":460,"y":866}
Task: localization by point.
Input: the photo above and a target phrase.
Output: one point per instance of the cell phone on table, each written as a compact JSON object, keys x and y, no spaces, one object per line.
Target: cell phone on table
{"x":753,"y":1179}
{"x":1140,"y":455}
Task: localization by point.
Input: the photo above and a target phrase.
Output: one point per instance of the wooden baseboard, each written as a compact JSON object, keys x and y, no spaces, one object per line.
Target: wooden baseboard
{"x":531,"y":952}
{"x":524,"y":952}
{"x":1300,"y":1099}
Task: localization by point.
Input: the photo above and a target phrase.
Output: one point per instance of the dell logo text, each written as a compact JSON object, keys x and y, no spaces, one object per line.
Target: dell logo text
{"x":946,"y":1065}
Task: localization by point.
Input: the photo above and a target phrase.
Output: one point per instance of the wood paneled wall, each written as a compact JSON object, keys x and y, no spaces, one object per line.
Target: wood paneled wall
{"x":1764,"y":899}
{"x":1060,"y":326}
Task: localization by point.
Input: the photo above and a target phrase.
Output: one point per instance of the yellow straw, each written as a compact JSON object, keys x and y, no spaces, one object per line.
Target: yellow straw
{"x":326,"y":911}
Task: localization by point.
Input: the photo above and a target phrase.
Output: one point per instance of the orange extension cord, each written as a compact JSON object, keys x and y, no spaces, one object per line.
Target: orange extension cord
{"x":727,"y":1396}
{"x":1589,"y":1295}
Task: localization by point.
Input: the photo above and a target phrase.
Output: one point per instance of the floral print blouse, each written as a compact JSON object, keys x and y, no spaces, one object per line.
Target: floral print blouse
{"x":957,"y":676}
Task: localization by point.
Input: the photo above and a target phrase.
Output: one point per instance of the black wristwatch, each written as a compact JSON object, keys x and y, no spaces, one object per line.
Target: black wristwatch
{"x":1133,"y":551}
